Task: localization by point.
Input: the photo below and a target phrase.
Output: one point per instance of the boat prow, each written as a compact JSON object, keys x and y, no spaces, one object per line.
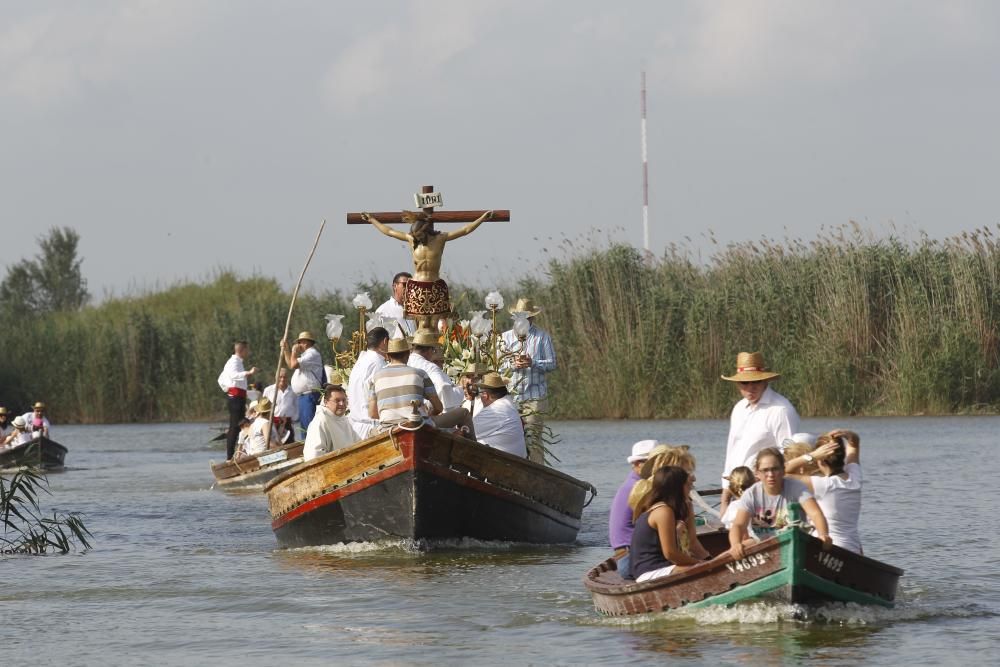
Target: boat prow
{"x":257,"y":470}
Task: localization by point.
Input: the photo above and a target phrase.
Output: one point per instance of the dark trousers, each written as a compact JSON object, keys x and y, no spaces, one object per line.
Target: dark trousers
{"x":237,"y":411}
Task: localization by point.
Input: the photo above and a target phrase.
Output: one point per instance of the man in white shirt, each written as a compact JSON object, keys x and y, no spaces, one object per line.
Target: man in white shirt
{"x":359,"y":384}
{"x":233,"y":381}
{"x":38,"y":423}
{"x":393,"y":307}
{"x":426,"y":348}
{"x":331,"y":429}
{"x":308,"y":376}
{"x":498,"y":424}
{"x":762,"y":418}
{"x":286,"y":407}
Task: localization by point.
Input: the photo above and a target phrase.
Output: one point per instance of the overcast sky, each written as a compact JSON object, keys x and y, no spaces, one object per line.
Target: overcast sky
{"x":179,"y":137}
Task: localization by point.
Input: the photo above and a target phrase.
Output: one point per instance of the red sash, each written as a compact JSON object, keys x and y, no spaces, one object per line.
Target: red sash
{"x":236,"y":392}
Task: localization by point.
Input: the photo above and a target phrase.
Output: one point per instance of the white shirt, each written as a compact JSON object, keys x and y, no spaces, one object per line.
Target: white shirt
{"x":474,"y":407}
{"x":756,"y":427}
{"x":307,"y":376}
{"x":233,"y":374}
{"x":286,"y":405}
{"x":499,"y":426}
{"x":256,"y":444}
{"x":840,"y":500}
{"x":450,"y":395}
{"x":393,"y":309}
{"x":29,"y":419}
{"x":327,"y":433}
{"x":359,"y":385}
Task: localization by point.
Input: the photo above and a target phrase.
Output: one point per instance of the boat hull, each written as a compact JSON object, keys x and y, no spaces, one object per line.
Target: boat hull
{"x":424,"y":484}
{"x":790,"y":567}
{"x":257,"y":470}
{"x":41,"y":453}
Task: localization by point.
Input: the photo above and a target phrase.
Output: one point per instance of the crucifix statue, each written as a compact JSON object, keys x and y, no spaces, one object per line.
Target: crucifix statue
{"x":426,"y":299}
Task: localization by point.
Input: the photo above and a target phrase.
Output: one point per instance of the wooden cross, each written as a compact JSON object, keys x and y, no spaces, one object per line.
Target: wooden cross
{"x":396,"y":217}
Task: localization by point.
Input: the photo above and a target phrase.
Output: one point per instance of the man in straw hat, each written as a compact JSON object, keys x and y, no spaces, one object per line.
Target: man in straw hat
{"x":36,"y":420}
{"x":308,"y":376}
{"x":762,"y":418}
{"x":426,"y":348}
{"x":498,"y":424}
{"x":331,"y":429}
{"x":395,"y":387}
{"x":534,"y":360}
{"x":257,"y":442}
{"x":233,"y":381}
{"x":620,"y":525}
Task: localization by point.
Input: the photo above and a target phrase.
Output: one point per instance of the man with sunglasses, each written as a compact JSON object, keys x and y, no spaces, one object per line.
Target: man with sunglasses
{"x":762,"y":418}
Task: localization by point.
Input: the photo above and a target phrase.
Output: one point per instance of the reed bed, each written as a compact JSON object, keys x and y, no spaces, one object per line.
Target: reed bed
{"x":856,"y":325}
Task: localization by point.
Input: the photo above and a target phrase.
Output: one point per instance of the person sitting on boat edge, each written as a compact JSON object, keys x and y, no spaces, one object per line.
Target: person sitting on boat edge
{"x":261,"y":430}
{"x":766,"y":504}
{"x":36,"y":421}
{"x":665,"y":540}
{"x":331,"y":429}
{"x":620,"y":524}
{"x":740,"y":479}
{"x":286,"y":407}
{"x":425,"y":349}
{"x":498,"y":424}
{"x":837,"y":488}
{"x":359,"y":384}
{"x":396,"y":386}
{"x":761,"y":418}
{"x":308,"y":376}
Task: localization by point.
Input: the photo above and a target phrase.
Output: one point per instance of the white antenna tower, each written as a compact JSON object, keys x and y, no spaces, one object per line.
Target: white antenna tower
{"x":645,"y":173}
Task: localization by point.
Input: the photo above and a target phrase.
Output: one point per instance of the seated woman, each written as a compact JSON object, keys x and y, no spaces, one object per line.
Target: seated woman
{"x":740,"y":479}
{"x":766,"y":503}
{"x":664,"y":540}
{"x":838,"y":487}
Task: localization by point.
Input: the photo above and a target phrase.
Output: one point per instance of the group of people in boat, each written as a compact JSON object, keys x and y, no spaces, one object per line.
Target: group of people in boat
{"x":22,"y":429}
{"x":398,"y":379}
{"x":768,"y":466}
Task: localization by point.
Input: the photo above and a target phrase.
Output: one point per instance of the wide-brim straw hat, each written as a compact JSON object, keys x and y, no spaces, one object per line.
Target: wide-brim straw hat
{"x":38,"y":406}
{"x":640,"y":450}
{"x":493,"y":381}
{"x":426,"y":338}
{"x":3,"y":411}
{"x":263,"y":405}
{"x":19,"y":423}
{"x":750,"y":367}
{"x":527,"y":306}
{"x":398,"y":345}
{"x":305,"y":335}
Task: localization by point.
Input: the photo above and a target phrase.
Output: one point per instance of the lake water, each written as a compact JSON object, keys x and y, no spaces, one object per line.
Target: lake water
{"x":184,"y":574}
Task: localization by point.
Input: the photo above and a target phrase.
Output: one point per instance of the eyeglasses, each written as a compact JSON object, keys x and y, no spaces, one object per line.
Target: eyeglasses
{"x":770,"y":471}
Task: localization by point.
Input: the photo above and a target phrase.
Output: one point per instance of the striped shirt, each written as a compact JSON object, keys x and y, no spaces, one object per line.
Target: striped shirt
{"x":529,"y":384}
{"x":395,"y":387}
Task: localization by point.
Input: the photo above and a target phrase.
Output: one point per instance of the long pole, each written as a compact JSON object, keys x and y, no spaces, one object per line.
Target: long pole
{"x":284,"y":337}
{"x":645,"y":172}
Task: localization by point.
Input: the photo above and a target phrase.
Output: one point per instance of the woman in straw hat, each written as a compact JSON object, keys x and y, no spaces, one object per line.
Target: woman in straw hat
{"x":305,"y":360}
{"x":762,"y":418}
{"x":257,"y":442}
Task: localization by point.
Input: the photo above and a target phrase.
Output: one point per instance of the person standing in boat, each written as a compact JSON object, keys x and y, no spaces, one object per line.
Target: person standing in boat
{"x":426,"y":347}
{"x":308,"y":376}
{"x":397,"y":386}
{"x":620,"y":524}
{"x":762,"y":418}
{"x":665,"y":540}
{"x":38,"y":423}
{"x":393,"y":306}
{"x":498,"y":424}
{"x":837,"y":488}
{"x":426,"y":297}
{"x":359,"y":384}
{"x":233,"y":381}
{"x":534,"y":360}
{"x":331,"y":429}
{"x":766,"y":504}
{"x":286,"y":407}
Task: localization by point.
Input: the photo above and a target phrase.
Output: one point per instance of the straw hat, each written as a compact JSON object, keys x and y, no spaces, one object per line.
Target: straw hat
{"x":750,"y":367}
{"x":640,"y":450}
{"x":19,"y":423}
{"x":305,"y":335}
{"x":527,"y":306}
{"x":263,"y":405}
{"x":38,"y":406}
{"x":3,"y":411}
{"x":493,"y":381}
{"x":427,"y":338}
{"x":476,"y":368}
{"x":398,"y":345}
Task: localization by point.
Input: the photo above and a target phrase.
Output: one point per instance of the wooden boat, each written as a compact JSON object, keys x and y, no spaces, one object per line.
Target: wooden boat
{"x":790,"y":566}
{"x":41,"y":452}
{"x":257,"y":470}
{"x":424,"y":484}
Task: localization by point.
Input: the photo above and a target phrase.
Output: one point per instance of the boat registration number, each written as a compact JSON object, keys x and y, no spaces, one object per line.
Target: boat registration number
{"x":272,"y":458}
{"x":829,"y":561}
{"x":748,"y":563}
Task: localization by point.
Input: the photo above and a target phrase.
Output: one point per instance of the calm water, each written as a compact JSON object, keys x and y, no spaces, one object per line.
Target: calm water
{"x":183,"y":574}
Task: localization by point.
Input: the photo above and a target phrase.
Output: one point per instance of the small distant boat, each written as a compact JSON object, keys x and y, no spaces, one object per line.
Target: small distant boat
{"x":40,"y":452}
{"x":257,"y":470}
{"x":424,"y":484}
{"x":790,"y":566}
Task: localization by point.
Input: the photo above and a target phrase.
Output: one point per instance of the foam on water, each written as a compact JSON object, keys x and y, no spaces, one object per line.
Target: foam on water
{"x":421,"y":546}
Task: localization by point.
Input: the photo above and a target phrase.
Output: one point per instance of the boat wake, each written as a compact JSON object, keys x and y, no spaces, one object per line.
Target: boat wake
{"x":422,"y":546}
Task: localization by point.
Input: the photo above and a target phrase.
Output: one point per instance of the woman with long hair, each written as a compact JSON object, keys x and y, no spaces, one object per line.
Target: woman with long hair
{"x":664,"y":540}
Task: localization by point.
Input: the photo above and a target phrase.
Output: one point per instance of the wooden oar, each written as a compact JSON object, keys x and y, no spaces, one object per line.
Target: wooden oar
{"x":288,"y":323}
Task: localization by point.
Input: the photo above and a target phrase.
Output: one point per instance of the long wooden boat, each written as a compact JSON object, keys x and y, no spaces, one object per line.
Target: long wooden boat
{"x":790,"y":566}
{"x":424,"y":484}
{"x":257,"y":470}
{"x":40,"y":452}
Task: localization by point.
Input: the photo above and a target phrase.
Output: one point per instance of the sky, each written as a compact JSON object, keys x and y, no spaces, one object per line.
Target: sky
{"x":182,"y":138}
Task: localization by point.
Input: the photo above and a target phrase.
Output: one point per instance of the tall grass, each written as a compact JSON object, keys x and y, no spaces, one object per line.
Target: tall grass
{"x":855,"y":325}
